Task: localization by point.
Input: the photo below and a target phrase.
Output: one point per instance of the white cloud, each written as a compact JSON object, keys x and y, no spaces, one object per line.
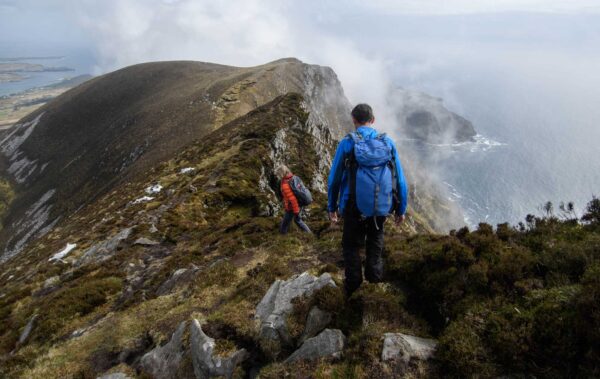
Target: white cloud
{"x":241,"y":33}
{"x":481,"y":6}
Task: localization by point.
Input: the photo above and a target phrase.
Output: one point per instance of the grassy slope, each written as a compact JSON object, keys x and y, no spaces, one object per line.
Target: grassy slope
{"x":505,"y":301}
{"x":117,"y":126}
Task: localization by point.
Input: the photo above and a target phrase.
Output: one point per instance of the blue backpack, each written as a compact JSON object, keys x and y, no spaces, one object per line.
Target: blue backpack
{"x":372,"y":175}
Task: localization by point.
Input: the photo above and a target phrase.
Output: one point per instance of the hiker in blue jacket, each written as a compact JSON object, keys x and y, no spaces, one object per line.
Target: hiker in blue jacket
{"x":366,"y":184}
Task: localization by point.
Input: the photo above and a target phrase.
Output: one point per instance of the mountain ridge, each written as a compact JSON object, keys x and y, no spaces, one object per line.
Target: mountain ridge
{"x":168,"y":105}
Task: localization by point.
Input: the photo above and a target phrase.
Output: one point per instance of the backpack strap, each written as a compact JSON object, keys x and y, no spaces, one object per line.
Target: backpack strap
{"x":352,"y":168}
{"x":355,"y":136}
{"x":392,"y":166}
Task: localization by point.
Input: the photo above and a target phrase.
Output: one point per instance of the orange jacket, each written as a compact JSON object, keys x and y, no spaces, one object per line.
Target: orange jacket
{"x":289,"y":199}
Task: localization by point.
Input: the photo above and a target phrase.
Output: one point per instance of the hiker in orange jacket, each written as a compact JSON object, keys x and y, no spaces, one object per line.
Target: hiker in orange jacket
{"x":290,"y":203}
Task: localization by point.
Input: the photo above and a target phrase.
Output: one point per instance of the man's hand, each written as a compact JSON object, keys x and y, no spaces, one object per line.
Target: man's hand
{"x":399,"y":219}
{"x":333,"y":217}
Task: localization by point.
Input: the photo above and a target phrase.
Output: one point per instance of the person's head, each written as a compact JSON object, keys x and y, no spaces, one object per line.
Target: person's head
{"x":362,"y":114}
{"x":282,"y":171}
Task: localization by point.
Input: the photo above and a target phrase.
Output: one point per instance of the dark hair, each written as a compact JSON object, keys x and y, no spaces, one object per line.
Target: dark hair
{"x":363,"y":113}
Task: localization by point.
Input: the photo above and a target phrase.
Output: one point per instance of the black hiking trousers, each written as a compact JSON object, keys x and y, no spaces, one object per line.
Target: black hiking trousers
{"x":360,"y":231}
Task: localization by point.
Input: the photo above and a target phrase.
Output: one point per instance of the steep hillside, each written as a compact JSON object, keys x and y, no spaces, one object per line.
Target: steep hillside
{"x":116,"y":126}
{"x":208,"y":211}
{"x":139,"y":282}
{"x":115,"y":288}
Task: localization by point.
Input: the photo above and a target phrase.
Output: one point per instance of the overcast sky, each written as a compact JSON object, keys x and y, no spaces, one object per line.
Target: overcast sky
{"x":359,"y":39}
{"x":267,"y":24}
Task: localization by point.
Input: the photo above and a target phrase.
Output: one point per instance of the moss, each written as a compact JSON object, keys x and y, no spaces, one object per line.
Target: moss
{"x":260,"y":278}
{"x":233,"y":320}
{"x":77,"y":300}
{"x":221,"y":274}
{"x":224,"y":347}
{"x":7,"y":195}
{"x":462,"y":352}
{"x":153,"y":205}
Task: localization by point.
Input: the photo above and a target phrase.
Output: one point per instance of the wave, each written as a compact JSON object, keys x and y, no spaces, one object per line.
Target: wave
{"x":471,"y":210}
{"x":480,"y":143}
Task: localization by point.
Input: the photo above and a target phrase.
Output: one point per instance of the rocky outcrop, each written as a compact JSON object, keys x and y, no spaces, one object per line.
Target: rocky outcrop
{"x":163,"y":361}
{"x":207,"y":364}
{"x":103,"y":250}
{"x":316,"y":321}
{"x":116,"y":375}
{"x":50,"y":285}
{"x":329,"y":343}
{"x":145,"y":242}
{"x":425,"y":118}
{"x":178,"y":278}
{"x":276,"y":305}
{"x":27,"y":331}
{"x":398,"y":346}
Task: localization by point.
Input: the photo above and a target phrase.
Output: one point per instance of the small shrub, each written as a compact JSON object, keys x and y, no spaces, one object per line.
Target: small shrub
{"x":77,"y":300}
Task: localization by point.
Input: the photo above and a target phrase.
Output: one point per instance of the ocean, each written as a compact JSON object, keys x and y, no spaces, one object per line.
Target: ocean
{"x":538,"y":140}
{"x":80,"y":62}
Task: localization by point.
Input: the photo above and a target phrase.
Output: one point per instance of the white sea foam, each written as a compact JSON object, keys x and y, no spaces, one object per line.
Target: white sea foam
{"x":480,"y":143}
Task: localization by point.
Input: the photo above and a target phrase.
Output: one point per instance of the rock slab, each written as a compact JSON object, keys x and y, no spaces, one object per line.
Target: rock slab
{"x":162,"y":362}
{"x":329,"y":343}
{"x":178,"y":278}
{"x":276,"y":305}
{"x":206,"y":363}
{"x":103,"y":250}
{"x":116,"y":375}
{"x":405,"y":347}
{"x":145,"y":242}
{"x":27,"y":331}
{"x":316,"y":321}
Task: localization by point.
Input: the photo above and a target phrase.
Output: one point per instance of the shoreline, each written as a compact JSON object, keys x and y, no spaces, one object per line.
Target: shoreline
{"x":14,"y":107}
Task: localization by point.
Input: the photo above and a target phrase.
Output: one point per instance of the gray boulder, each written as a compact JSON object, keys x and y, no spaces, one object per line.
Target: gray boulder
{"x":206,"y":364}
{"x":178,"y":278}
{"x":103,"y":250}
{"x":50,"y":285}
{"x":27,"y":330}
{"x":398,"y":346}
{"x":330,"y":343}
{"x":316,"y":321}
{"x":163,"y":361}
{"x":276,"y":305}
{"x":145,"y":242}
{"x":116,"y":375}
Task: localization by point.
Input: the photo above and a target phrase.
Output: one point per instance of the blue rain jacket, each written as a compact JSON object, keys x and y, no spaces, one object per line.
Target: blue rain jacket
{"x":339,"y":176}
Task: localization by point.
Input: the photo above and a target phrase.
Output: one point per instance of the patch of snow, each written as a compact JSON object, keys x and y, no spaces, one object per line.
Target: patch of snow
{"x":11,"y":143}
{"x":63,"y":253}
{"x":21,"y":167}
{"x":187,"y":170}
{"x":43,"y":167}
{"x":142,"y":199}
{"x":33,"y":224}
{"x":154,"y":189}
